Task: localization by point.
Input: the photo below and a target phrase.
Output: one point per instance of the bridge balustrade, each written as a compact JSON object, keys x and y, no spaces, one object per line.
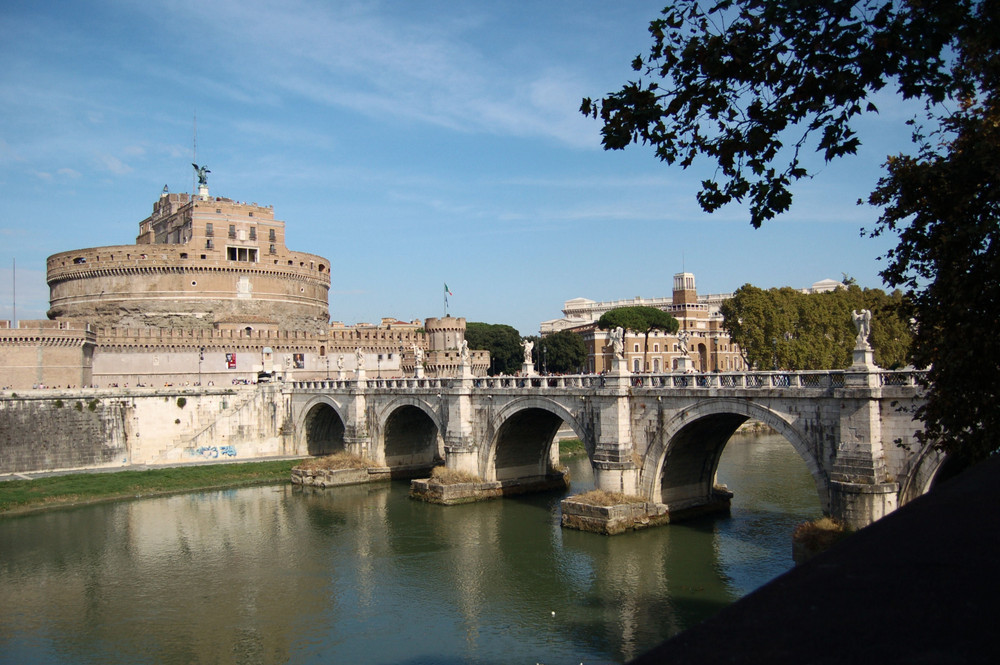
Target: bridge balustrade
{"x":739,"y":380}
{"x":901,"y":377}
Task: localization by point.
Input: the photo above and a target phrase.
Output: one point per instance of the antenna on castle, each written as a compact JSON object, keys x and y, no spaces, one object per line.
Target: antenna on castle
{"x":13,"y":291}
{"x":194,"y":151}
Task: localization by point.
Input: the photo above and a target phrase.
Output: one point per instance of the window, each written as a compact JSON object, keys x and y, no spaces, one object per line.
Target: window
{"x":635,"y":347}
{"x":271,"y":236}
{"x":232,"y":231}
{"x":209,"y":229}
{"x":242,"y":254}
{"x":635,"y":365}
{"x":272,"y":250}
{"x":253,"y":233}
{"x":209,"y":244}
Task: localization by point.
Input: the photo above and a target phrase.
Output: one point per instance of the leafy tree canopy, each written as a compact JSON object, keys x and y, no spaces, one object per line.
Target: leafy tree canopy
{"x":564,"y":352}
{"x":751,"y":83}
{"x":502,"y":341}
{"x":788,"y":329}
{"x":642,"y":320}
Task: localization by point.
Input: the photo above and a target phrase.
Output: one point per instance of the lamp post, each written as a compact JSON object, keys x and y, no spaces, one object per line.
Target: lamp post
{"x":201,"y":356}
{"x":545,"y":355}
{"x":378,"y":366}
{"x":328,"y":368}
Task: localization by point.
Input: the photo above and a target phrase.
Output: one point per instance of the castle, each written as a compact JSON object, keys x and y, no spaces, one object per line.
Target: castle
{"x":210,"y":294}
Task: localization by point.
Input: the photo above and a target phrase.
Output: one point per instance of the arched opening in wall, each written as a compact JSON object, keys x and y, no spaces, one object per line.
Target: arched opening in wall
{"x":411,"y":438}
{"x":950,"y":467}
{"x":525,"y":445}
{"x":773,"y":491}
{"x":324,"y":431}
{"x":702,"y":358}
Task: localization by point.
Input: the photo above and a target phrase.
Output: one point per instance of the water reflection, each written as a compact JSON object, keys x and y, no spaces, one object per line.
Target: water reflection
{"x":282,"y":574}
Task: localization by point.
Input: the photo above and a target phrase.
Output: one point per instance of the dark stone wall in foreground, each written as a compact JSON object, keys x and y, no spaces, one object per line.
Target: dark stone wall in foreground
{"x":61,"y":432}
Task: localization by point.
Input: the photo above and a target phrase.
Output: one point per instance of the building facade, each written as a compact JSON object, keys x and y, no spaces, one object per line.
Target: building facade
{"x":708,"y":344}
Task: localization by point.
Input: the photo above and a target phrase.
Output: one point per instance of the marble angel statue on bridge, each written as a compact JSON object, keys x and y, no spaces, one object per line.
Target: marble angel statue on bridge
{"x":528,"y":345}
{"x":863,"y":324}
{"x":618,"y":342}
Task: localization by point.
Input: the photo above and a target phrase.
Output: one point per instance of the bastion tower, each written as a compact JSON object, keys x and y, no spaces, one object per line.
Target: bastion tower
{"x":199,"y":262}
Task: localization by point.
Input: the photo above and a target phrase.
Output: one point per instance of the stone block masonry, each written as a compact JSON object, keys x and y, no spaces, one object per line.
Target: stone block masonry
{"x":45,"y":430}
{"x":61,"y":432}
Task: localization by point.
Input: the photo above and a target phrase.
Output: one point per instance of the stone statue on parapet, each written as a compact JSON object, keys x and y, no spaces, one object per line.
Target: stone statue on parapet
{"x":682,"y":341}
{"x":464,"y":352}
{"x":340,"y":361}
{"x":202,"y":172}
{"x":359,"y":358}
{"x":863,"y":324}
{"x":528,"y":345}
{"x":418,"y":356}
{"x":618,"y":342}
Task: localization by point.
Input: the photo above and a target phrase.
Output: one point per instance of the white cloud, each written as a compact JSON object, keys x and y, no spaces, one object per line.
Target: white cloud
{"x":113,"y":164}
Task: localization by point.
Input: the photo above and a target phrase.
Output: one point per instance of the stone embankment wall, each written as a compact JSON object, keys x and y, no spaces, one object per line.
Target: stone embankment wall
{"x":67,"y":429}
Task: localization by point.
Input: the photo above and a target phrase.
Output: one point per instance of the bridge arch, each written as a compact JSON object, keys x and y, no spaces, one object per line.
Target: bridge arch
{"x":409,"y":433}
{"x":679,"y":468}
{"x":322,"y":427}
{"x":930,"y":467}
{"x":521,"y":432}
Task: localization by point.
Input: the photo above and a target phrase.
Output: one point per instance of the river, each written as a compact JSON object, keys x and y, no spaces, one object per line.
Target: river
{"x":281,"y":574}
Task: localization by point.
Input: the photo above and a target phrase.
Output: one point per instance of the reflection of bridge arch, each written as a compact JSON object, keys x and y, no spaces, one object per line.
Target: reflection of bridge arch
{"x":680,"y":466}
{"x":322,"y":427}
{"x":410,"y":433}
{"x":522,"y":434}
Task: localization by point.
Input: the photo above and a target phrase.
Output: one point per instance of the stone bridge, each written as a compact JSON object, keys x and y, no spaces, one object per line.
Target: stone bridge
{"x":657,"y":436}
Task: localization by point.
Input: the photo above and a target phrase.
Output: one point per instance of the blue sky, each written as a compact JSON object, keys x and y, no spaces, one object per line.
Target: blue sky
{"x":412,"y":143}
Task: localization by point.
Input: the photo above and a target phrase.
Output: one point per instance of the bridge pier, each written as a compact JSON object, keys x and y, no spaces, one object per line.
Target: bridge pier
{"x":357,"y":435}
{"x":614,"y":468}
{"x":615,"y":476}
{"x":861,"y":488}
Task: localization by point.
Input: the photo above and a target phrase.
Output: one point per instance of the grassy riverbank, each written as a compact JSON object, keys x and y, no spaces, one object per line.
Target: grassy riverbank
{"x":571,"y":448}
{"x":54,"y":491}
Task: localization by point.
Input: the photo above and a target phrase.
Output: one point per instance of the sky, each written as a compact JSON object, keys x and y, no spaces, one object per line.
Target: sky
{"x":414,"y":144}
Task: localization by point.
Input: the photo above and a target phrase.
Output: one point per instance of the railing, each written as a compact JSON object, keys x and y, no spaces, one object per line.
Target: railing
{"x":805,"y":380}
{"x":902,"y":377}
{"x":373,"y":383}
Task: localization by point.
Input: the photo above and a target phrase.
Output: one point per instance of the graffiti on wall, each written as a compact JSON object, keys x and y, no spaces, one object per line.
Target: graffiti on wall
{"x":214,"y":452}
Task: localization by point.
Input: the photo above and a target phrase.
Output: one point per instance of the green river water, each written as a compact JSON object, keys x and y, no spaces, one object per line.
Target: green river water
{"x":363,"y":574}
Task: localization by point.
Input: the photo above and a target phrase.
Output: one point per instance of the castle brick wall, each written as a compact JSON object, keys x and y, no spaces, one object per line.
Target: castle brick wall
{"x":178,"y":285}
{"x":50,"y":353}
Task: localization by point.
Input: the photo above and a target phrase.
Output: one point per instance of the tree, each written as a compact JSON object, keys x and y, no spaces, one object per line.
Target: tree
{"x":787,"y":329}
{"x":751,"y":83}
{"x":563,"y":352}
{"x":641,"y":320}
{"x":502,"y":341}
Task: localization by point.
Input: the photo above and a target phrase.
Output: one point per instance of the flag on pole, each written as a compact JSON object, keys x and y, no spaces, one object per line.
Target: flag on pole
{"x":447,"y":293}
{"x":447,"y":290}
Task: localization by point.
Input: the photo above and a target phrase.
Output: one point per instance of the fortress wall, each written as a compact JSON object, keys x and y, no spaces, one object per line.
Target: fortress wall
{"x":51,"y":353}
{"x":167,"y":285}
{"x":62,"y":430}
{"x":50,"y":429}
